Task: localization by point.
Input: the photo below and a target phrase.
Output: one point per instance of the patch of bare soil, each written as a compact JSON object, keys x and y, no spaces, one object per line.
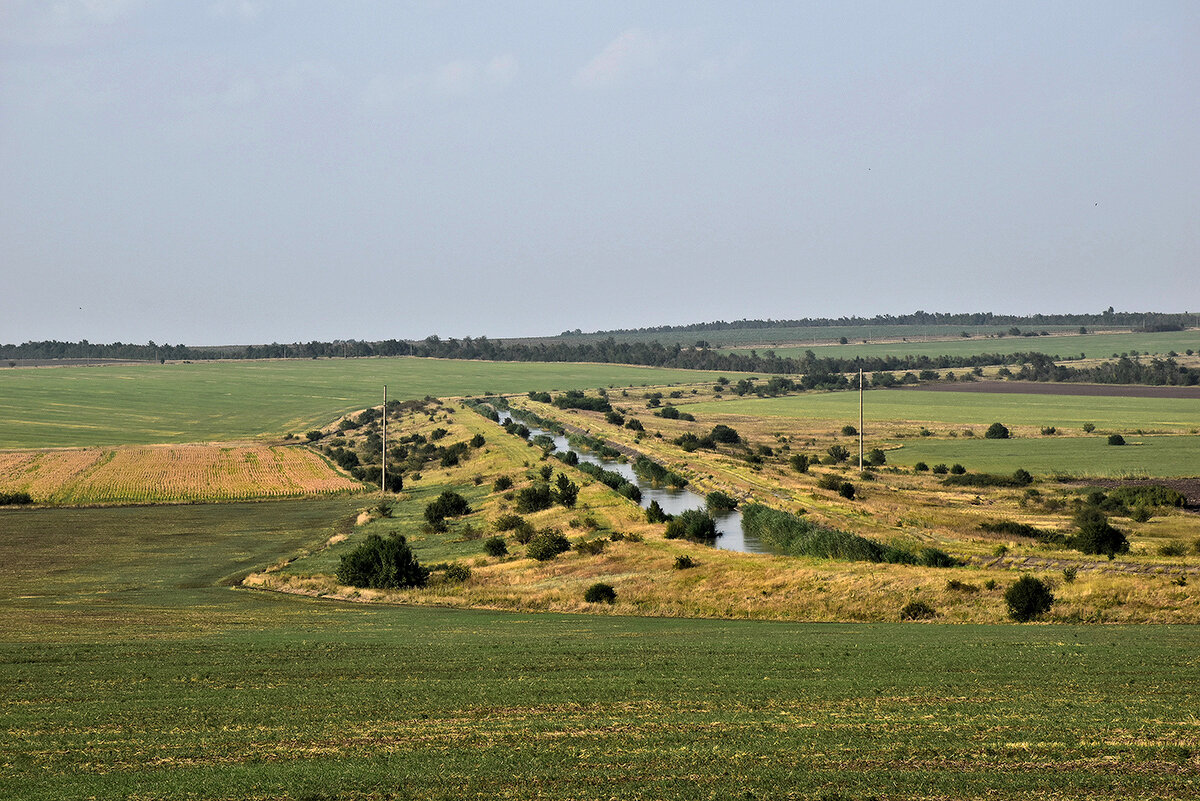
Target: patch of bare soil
{"x":1056,"y":388}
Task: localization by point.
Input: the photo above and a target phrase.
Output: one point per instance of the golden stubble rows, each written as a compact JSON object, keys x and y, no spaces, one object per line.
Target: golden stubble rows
{"x":152,"y":474}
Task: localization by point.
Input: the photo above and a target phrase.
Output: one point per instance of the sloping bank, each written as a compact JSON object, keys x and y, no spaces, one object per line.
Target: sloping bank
{"x":791,"y":535}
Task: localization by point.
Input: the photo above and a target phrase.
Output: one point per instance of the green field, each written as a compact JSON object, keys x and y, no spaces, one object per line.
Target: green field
{"x":784,"y":335}
{"x":216,"y":401}
{"x":975,"y":409}
{"x":127,"y":671}
{"x":1076,"y":456}
{"x":1091,"y":345}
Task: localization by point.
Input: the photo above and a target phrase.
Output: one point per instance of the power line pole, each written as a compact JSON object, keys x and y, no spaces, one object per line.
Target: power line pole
{"x":383,"y":449}
{"x":860,"y":420}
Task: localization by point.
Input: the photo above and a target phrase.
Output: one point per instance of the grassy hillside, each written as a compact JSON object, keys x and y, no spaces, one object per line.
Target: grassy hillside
{"x":85,"y":406}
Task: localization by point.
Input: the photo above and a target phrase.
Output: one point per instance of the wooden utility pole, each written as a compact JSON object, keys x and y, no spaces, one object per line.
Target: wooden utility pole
{"x":860,"y":420}
{"x":383,"y":449}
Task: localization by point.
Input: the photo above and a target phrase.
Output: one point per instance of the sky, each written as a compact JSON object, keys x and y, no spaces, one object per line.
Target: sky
{"x":254,"y":171}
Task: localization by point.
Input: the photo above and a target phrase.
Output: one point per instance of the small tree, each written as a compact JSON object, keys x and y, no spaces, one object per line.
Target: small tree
{"x":1028,"y":598}
{"x":547,"y":545}
{"x":876,"y":457}
{"x":566,"y":491}
{"x":448,"y":504}
{"x":725,"y":434}
{"x":495,"y":546}
{"x":996,"y":431}
{"x":1096,"y":536}
{"x":838,"y":453}
{"x":692,"y":524}
{"x":1089,"y":428}
{"x":799,"y":462}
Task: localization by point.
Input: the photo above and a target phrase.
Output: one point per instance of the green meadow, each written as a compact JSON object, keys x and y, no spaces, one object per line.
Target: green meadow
{"x":1077,"y":456}
{"x":974,"y":409}
{"x":129,"y":669}
{"x":1068,"y":345}
{"x":216,"y":401}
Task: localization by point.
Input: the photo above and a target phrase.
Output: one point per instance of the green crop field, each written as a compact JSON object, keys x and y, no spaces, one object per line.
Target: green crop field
{"x":128,"y":671}
{"x":73,"y":406}
{"x":774,"y":336}
{"x":1077,"y":456}
{"x":976,"y":409}
{"x":1070,"y":345}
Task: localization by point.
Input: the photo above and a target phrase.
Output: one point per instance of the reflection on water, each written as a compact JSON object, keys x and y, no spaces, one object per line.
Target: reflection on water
{"x":730,"y":536}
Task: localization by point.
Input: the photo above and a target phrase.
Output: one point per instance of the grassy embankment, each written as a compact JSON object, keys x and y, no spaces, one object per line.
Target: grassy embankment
{"x":126,"y":672}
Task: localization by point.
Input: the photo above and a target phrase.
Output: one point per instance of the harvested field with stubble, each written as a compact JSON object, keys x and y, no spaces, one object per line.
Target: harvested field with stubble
{"x":169,"y":474}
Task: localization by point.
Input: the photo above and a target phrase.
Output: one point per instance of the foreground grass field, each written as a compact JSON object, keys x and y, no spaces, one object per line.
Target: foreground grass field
{"x":219,"y":401}
{"x":127,"y":670}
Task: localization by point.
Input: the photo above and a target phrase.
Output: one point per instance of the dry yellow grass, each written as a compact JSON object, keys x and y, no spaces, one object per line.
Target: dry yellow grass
{"x":169,"y":473}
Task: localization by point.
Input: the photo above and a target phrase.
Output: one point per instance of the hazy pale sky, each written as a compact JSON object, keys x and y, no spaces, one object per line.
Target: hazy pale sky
{"x":246,"y":171}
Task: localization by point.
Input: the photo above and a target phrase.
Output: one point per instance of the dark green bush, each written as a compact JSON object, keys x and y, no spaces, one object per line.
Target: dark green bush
{"x":954,"y":585}
{"x":535,"y":498}
{"x":495,"y":546}
{"x":996,"y":431}
{"x":846,"y":490}
{"x":448,"y":504}
{"x":799,"y":463}
{"x":508,"y":522}
{"x":724,"y":434}
{"x":547,"y":544}
{"x":524,"y":532}
{"x":1096,"y":536}
{"x":591,"y":547}
{"x":830,"y":481}
{"x":917,"y":610}
{"x":456,"y":573}
{"x":692,"y":524}
{"x":600,"y":593}
{"x":849,"y":431}
{"x":1027,"y":598}
{"x":684,"y":562}
{"x":920,"y":467}
{"x":876,"y":457}
{"x":502,"y":483}
{"x":655,"y":513}
{"x":380,"y":563}
{"x":15,"y":498}
{"x":718,"y":501}
{"x":940,"y":469}
{"x":1116,"y":439}
{"x":957,"y":469}
{"x":838,"y":454}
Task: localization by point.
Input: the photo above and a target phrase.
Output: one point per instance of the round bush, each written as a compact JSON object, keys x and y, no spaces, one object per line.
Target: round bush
{"x":957,"y":469}
{"x":996,"y":431}
{"x":495,"y":546}
{"x":1116,"y":439}
{"x":547,"y":545}
{"x":600,"y":593}
{"x":846,"y":490}
{"x":684,"y":562}
{"x":1027,"y":598}
{"x":920,"y":467}
{"x":917,"y":610}
{"x":456,"y":573}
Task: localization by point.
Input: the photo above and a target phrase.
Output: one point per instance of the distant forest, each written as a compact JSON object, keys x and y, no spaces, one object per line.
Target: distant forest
{"x":827,"y":372}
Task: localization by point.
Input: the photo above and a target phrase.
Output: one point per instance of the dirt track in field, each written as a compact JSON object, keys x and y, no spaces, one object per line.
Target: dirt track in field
{"x":1057,"y":388}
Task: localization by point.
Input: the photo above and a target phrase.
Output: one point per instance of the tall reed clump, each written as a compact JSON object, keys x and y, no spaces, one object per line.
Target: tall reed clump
{"x":789,"y":534}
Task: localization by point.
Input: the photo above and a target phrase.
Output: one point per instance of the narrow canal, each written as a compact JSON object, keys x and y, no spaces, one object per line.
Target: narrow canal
{"x":730,"y":535}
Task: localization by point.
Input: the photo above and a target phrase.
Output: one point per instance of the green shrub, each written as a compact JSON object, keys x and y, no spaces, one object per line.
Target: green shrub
{"x":725,"y":434}
{"x":684,"y":562}
{"x":495,"y":546}
{"x":535,"y":498}
{"x":940,"y":469}
{"x":846,"y":490}
{"x":957,"y":469}
{"x":1069,"y":574}
{"x":1027,"y":598}
{"x":591,"y":547}
{"x":524,"y":532}
{"x":600,"y":593}
{"x":920,"y":467}
{"x":876,"y":457}
{"x":718,"y":501}
{"x":456,"y":573}
{"x":849,"y":431}
{"x":917,"y":610}
{"x":837,"y":453}
{"x":1116,"y":439}
{"x":448,"y":504}
{"x":830,"y":481}
{"x":655,"y":513}
{"x":1096,"y":536}
{"x":15,"y":498}
{"x":508,"y":522}
{"x":996,"y":431}
{"x":954,"y":585}
{"x":692,"y":524}
{"x":1089,"y":428}
{"x":380,"y":563}
{"x":546,"y":545}
{"x":799,"y":463}
{"x":1172,"y":549}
